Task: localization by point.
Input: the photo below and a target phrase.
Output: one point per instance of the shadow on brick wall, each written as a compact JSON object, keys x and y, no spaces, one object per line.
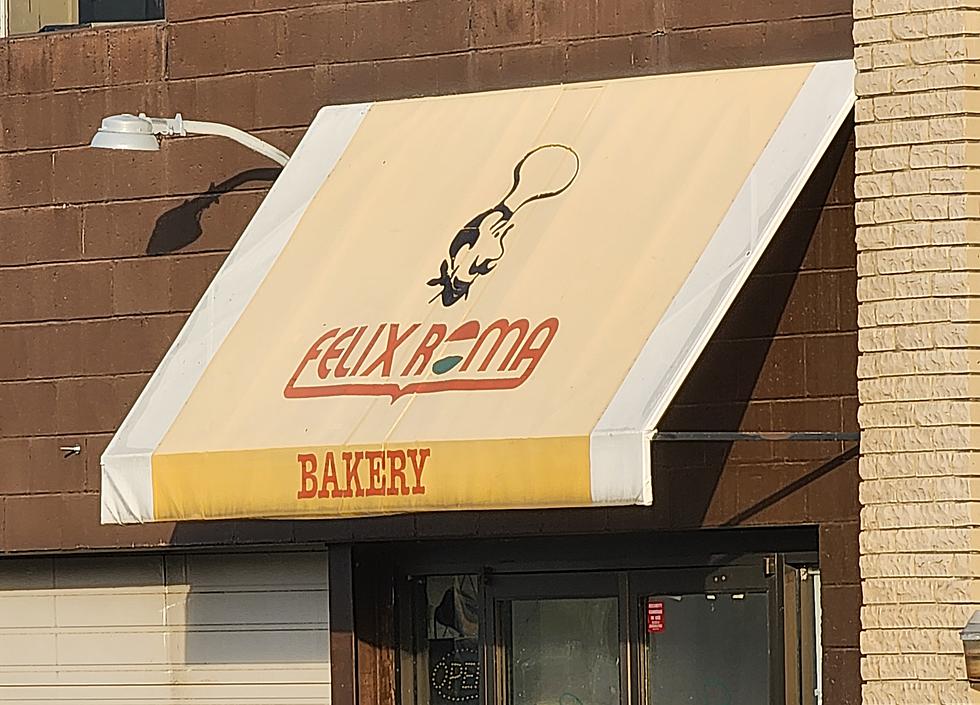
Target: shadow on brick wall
{"x":750,"y":362}
{"x":179,"y":227}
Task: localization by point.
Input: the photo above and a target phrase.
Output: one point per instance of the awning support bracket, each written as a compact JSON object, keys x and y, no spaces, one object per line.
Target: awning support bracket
{"x":732,"y":436}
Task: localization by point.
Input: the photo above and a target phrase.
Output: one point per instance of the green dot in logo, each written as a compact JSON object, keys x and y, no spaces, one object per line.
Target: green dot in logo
{"x":441,"y":367}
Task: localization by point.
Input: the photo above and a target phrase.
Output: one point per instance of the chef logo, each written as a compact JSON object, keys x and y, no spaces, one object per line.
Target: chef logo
{"x":395,"y":359}
{"x":479,"y":245}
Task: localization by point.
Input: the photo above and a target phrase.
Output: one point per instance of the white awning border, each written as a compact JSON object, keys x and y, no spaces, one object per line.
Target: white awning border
{"x":127,"y":487}
{"x":620,"y":441}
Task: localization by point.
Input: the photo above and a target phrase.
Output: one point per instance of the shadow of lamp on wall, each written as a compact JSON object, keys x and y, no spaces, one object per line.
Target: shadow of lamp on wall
{"x":181,"y":226}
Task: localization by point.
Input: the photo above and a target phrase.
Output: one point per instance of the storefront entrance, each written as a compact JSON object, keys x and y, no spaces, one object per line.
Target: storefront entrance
{"x":710,"y":630}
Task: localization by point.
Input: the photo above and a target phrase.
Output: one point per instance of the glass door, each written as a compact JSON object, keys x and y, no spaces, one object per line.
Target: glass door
{"x":558,"y":640}
{"x":442,"y":632}
{"x":705,"y":637}
{"x":744,"y":633}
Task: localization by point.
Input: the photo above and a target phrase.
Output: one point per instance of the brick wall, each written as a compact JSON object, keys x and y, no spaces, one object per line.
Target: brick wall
{"x":785,"y":359}
{"x":85,"y":314}
{"x":917,"y":285}
{"x":103,"y":255}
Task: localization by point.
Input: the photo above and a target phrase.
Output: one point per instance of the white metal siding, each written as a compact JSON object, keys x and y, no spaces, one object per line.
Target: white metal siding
{"x":235,"y":629}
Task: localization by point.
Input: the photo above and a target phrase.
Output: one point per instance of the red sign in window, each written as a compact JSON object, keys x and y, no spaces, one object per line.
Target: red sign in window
{"x":655,"y":616}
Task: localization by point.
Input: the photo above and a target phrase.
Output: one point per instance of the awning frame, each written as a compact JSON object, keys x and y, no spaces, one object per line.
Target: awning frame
{"x":618,"y":444}
{"x":807,"y":130}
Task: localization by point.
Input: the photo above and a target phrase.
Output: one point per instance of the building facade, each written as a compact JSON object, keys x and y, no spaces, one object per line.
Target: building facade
{"x":916,"y":492}
{"x":105,"y":255}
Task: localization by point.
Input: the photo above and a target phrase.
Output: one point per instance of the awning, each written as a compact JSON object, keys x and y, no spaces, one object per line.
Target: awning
{"x":471,"y":302}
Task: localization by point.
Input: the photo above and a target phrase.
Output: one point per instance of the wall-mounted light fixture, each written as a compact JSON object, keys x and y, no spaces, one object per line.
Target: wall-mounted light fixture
{"x":140,"y":133}
{"x":971,"y":649}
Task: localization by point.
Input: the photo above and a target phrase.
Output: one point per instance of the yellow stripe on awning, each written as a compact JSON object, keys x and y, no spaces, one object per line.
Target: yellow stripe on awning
{"x":474,"y":301}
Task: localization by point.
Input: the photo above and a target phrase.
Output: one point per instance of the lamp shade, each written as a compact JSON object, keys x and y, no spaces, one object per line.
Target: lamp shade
{"x":971,"y":647}
{"x":126,"y":132}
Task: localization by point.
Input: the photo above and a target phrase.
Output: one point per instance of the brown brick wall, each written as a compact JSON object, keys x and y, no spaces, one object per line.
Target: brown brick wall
{"x":86,"y":312}
{"x":785,"y":358}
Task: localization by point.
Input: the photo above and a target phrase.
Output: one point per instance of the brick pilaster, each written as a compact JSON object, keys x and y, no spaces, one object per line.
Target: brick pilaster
{"x":918,"y":216}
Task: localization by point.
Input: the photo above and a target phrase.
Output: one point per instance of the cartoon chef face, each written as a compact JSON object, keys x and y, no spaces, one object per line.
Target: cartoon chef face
{"x":479,"y":245}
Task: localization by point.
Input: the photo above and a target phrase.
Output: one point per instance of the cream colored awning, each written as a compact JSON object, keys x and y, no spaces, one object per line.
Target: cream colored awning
{"x":474,"y":301}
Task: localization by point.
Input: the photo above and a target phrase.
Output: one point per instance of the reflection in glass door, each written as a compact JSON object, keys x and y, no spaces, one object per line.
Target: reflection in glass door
{"x":707,"y":649}
{"x":563,"y":652}
{"x":445,"y":627}
{"x":709,"y":636}
{"x":558,"y":640}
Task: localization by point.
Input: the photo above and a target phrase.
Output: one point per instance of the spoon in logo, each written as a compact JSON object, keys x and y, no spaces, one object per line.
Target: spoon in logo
{"x":544,"y":172}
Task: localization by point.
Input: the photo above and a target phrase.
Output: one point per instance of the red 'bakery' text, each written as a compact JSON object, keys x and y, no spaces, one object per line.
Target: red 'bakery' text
{"x":362,"y":473}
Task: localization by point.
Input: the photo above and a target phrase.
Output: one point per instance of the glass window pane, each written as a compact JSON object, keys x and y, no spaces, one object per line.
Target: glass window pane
{"x":119,"y":10}
{"x":451,"y":640}
{"x":564,"y":652}
{"x":708,"y":649}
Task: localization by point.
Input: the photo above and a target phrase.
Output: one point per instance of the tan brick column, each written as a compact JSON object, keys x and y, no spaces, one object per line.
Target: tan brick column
{"x":918,"y":216}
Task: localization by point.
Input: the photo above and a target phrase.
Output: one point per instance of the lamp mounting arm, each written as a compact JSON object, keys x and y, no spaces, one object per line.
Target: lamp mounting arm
{"x":179,"y":127}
